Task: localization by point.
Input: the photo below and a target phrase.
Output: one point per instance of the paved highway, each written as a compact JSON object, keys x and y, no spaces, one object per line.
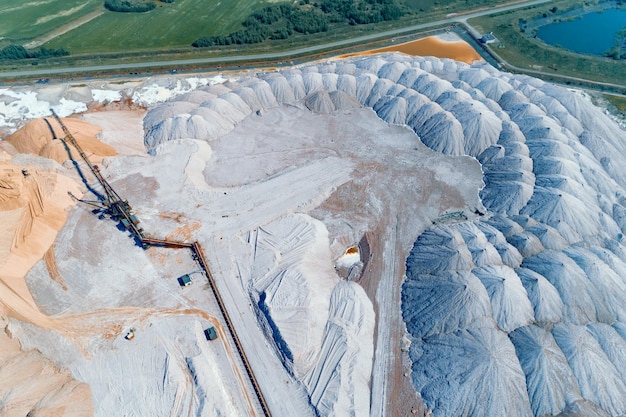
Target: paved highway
{"x":460,"y":18}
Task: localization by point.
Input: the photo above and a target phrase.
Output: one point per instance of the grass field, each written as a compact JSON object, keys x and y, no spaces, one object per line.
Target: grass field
{"x":22,"y":21}
{"x":177,"y":25}
{"x":171,"y":25}
{"x":525,"y":52}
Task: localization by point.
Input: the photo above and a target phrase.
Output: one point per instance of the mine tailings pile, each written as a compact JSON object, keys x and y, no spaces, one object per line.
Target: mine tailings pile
{"x":120,"y":210}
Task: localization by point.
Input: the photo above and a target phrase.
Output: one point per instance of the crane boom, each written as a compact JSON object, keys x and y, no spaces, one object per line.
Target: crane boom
{"x":113,"y":204}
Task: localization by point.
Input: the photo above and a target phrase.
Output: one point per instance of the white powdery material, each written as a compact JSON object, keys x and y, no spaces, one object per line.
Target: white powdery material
{"x":598,"y":379}
{"x":509,"y":301}
{"x":549,"y":379}
{"x":443,"y":303}
{"x":68,"y":107}
{"x":347,"y":260}
{"x":484,"y":253}
{"x":19,"y":106}
{"x":611,"y":286}
{"x":582,"y":300}
{"x":612,"y":344}
{"x":435,"y":242}
{"x":212,"y":396}
{"x":323,"y":328}
{"x":294,"y":287}
{"x":339,"y":383}
{"x":545,"y":299}
{"x":156,"y":92}
{"x":106,"y":96}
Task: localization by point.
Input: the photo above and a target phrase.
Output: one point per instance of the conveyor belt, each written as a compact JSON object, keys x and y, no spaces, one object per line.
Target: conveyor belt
{"x":199,"y":253}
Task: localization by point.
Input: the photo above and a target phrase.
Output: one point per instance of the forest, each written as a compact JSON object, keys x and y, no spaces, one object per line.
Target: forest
{"x":14,"y":52}
{"x":280,"y":21}
{"x":132,"y":6}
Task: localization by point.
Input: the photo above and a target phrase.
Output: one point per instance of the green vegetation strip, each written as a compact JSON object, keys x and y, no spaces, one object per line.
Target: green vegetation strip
{"x":618,"y":101}
{"x":280,"y":21}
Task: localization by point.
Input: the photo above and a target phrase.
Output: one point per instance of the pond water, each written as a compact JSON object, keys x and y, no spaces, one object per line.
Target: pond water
{"x":593,"y":33}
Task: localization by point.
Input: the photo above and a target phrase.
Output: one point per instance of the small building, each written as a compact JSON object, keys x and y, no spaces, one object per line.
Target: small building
{"x":184,"y":280}
{"x":210,"y":333}
{"x":130,"y":335}
{"x":489,"y":38}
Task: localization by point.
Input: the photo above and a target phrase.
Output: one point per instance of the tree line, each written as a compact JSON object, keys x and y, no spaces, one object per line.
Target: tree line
{"x":280,"y":21}
{"x":361,"y":12}
{"x":15,"y":52}
{"x":132,"y":6}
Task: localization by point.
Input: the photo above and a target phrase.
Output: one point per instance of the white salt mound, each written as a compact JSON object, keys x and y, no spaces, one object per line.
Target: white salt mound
{"x":518,"y":313}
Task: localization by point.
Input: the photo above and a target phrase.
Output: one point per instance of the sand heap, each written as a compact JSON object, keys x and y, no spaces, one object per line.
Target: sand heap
{"x":41,"y":137}
{"x":33,"y":200}
{"x":33,"y":204}
{"x":33,"y":386}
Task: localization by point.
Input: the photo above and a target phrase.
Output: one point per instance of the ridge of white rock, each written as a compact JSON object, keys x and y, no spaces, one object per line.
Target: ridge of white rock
{"x":338,"y":384}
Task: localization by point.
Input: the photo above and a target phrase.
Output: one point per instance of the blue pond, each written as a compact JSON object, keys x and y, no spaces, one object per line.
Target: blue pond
{"x":593,"y":33}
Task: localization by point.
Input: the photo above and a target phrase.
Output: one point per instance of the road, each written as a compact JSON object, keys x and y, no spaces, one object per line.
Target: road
{"x":461,"y":18}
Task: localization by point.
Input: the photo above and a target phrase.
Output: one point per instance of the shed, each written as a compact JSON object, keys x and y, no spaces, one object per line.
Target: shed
{"x":210,"y":333}
{"x":184,"y":280}
{"x":489,"y":38}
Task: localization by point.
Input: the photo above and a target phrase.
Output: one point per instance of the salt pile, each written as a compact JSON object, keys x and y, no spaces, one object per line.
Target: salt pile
{"x":513,"y":305}
{"x":484,"y":295}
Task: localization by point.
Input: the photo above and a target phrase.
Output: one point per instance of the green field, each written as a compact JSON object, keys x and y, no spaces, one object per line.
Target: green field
{"x":22,"y":21}
{"x":171,"y":25}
